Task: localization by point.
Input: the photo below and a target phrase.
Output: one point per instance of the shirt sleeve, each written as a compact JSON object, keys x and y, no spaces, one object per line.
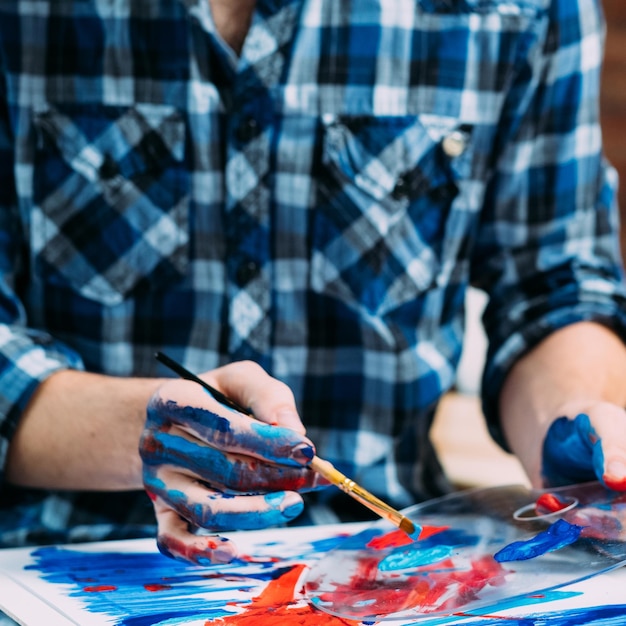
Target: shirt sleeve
{"x":27,"y":356}
{"x":548,"y":249}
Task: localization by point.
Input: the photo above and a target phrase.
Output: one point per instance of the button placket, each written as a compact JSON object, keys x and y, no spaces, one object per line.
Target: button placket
{"x":247,"y":210}
{"x":246,"y":271}
{"x":248,"y":193}
{"x":247,"y":130}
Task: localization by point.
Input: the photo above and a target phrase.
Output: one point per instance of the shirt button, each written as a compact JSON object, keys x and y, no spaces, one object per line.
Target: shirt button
{"x":402,"y":188}
{"x":247,"y":130}
{"x":108,"y":168}
{"x":246,"y":271}
{"x":455,"y":143}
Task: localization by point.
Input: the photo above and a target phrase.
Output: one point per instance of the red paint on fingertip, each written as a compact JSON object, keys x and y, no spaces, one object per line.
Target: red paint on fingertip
{"x":617,"y":484}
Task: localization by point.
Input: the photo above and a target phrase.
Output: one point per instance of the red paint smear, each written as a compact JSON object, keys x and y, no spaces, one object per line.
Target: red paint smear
{"x":549,"y":503}
{"x":253,"y":559}
{"x":277,"y":606}
{"x":398,"y":537}
{"x":156,"y":587}
{"x":438,"y":587}
{"x":429,"y":531}
{"x":98,"y":588}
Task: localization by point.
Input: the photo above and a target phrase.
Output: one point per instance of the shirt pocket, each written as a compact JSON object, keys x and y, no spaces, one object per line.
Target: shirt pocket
{"x":110,"y":199}
{"x":385,"y":191}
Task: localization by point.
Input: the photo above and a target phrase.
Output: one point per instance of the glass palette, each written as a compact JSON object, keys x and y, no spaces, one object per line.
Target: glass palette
{"x":381,"y":574}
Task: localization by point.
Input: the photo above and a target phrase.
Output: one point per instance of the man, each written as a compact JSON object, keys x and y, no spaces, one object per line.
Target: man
{"x":292,"y":197}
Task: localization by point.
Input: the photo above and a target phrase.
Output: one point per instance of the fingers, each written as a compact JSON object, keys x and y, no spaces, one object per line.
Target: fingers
{"x":609,"y":424}
{"x":228,"y":472}
{"x":270,"y":400}
{"x":206,"y":508}
{"x":591,"y":446}
{"x":207,"y":466}
{"x":194,"y":410}
{"x":174,"y":539}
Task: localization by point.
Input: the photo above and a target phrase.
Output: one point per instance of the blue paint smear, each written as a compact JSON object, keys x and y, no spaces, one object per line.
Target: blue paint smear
{"x":558,"y":535}
{"x":572,"y":452}
{"x":171,"y":619}
{"x":186,"y":591}
{"x":614,"y":615}
{"x":504,"y":605}
{"x":360,"y":540}
{"x":181,"y":598}
{"x":321,"y":546}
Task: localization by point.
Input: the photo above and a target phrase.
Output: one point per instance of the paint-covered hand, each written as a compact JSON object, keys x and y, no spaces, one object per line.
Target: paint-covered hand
{"x":592,"y":446}
{"x":209,"y":467}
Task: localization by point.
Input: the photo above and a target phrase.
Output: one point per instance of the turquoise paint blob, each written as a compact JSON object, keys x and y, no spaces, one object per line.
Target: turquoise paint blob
{"x":558,"y":535}
{"x":274,"y":500}
{"x":417,"y":531}
{"x":414,"y":556}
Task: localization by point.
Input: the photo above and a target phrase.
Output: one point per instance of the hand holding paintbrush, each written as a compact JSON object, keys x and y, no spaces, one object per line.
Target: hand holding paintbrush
{"x":321,"y":466}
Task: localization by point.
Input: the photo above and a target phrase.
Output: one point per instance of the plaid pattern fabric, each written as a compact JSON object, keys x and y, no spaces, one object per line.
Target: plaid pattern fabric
{"x":318,"y":205}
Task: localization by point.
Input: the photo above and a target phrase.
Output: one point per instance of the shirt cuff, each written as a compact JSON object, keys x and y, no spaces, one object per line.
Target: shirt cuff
{"x":501,"y":359}
{"x":27,"y":358}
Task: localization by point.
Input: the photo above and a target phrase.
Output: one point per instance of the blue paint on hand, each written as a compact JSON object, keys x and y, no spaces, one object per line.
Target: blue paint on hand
{"x":558,"y":535}
{"x":572,"y":452}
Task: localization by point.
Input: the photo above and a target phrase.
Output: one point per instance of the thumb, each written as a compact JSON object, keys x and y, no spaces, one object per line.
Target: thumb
{"x":572,"y":452}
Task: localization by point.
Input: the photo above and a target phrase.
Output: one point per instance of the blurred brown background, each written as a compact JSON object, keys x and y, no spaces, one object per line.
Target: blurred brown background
{"x":614,"y":98}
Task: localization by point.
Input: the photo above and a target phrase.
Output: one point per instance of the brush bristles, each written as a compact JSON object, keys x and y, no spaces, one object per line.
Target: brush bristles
{"x":408,"y":527}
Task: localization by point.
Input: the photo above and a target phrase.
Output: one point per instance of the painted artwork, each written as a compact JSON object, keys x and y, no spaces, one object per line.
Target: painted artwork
{"x":276,"y":578}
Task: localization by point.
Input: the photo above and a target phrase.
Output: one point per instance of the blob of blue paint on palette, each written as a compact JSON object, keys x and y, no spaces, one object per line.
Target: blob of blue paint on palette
{"x":413,"y":556}
{"x":558,"y":535}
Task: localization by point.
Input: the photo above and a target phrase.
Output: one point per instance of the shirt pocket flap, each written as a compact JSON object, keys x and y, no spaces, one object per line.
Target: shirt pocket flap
{"x":110,"y":196}
{"x":385,"y":191}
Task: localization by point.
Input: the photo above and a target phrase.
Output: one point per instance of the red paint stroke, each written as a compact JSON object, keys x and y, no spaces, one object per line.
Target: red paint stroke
{"x":156,"y":587}
{"x":439,"y":586}
{"x":549,"y":503}
{"x":254,"y":559}
{"x":397,"y":538}
{"x":99,"y":588}
{"x":278,"y":605}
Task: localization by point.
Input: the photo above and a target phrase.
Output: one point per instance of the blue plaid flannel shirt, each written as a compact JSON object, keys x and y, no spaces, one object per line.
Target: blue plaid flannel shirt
{"x":319,"y":205}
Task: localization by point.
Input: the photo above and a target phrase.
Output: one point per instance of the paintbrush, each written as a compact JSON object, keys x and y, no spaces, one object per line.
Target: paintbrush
{"x":325,"y":468}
